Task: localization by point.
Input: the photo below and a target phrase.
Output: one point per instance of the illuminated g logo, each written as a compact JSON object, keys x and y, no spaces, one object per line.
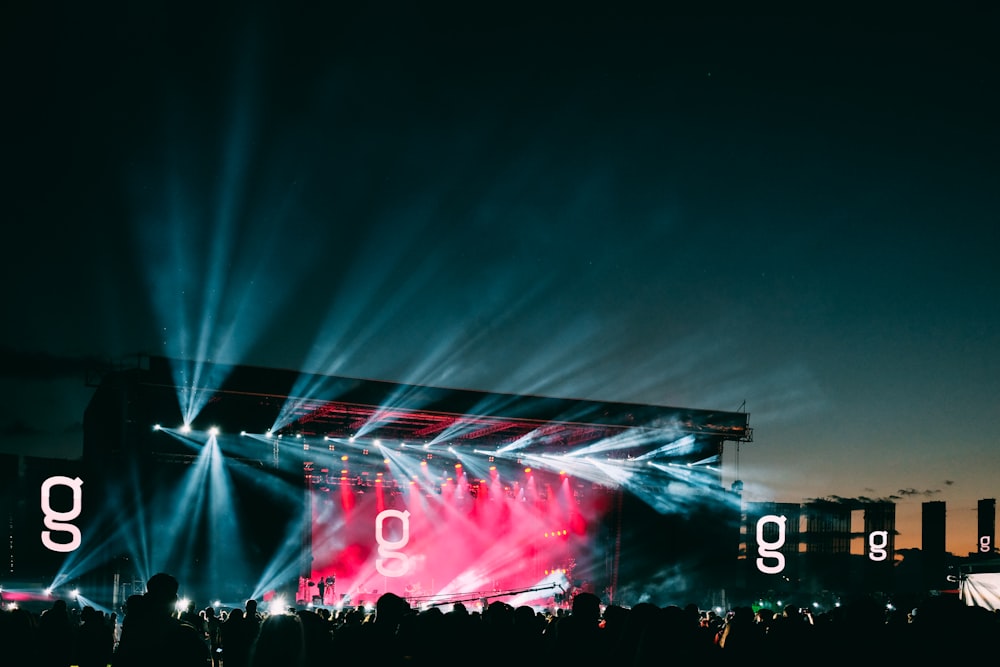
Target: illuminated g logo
{"x":389,"y":550}
{"x":878,"y":540}
{"x":54,"y":520}
{"x":767,"y":549}
{"x":984,"y":544}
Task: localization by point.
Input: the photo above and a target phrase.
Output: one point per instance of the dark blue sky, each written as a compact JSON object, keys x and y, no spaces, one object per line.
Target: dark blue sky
{"x":794,"y":211}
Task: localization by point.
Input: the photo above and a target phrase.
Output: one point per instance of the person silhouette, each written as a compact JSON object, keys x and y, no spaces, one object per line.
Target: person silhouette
{"x":281,"y":642}
{"x":56,"y":633}
{"x":236,"y":640}
{"x":153,"y":637}
{"x":95,"y":639}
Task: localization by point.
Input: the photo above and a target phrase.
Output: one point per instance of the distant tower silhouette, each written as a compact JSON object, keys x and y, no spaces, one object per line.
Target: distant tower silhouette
{"x":880,"y":545}
{"x":932,"y":544}
{"x":828,"y":544}
{"x":986,"y":537}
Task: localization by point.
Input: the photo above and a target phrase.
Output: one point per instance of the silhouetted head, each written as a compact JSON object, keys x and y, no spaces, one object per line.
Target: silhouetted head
{"x":161,"y":591}
{"x":587,"y":606}
{"x":390,"y":608}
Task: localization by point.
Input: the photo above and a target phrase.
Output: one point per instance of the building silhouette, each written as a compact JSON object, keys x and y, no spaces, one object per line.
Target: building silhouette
{"x":932,"y":545}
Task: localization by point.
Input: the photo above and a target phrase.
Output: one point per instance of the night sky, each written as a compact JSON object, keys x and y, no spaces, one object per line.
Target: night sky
{"x":787,"y":214}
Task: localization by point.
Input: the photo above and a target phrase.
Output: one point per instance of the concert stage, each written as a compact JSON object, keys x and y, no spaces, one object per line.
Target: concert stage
{"x":245,"y":481}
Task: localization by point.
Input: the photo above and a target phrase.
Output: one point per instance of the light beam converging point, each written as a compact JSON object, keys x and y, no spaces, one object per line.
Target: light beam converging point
{"x":192,"y":439}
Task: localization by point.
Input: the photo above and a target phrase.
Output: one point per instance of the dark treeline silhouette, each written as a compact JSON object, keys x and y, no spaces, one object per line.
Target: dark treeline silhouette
{"x":154,"y":633}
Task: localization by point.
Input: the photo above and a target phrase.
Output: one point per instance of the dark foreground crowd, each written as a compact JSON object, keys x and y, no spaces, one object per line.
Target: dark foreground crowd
{"x":153,"y":634}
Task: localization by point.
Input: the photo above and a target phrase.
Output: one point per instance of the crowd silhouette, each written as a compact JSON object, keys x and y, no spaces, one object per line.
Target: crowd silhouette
{"x":153,"y":633}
